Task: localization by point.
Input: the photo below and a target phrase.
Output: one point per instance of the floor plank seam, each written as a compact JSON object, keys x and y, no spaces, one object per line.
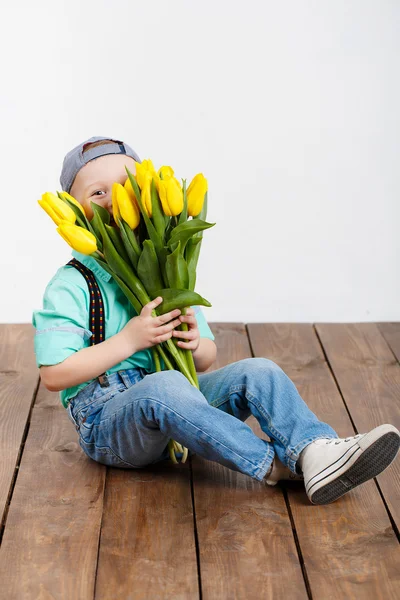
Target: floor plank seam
{"x":289,"y":511}
{"x":394,"y":526}
{"x":196,"y":537}
{"x":392,"y":522}
{"x":334,"y":377}
{"x":100,"y":530}
{"x":298,"y":547}
{"x":17,"y":466}
{"x":388,"y":344}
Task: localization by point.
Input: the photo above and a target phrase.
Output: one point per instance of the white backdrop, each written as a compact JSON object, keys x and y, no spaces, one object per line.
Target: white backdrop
{"x":291,"y":110}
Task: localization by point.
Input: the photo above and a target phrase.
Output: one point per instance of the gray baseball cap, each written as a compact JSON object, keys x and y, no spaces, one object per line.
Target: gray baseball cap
{"x":76,"y":158}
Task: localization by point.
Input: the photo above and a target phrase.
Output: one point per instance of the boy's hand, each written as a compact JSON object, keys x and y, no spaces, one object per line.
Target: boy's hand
{"x":193,"y":333}
{"x":145,"y":331}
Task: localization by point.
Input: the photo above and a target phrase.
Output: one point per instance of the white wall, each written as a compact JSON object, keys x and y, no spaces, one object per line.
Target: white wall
{"x":290,"y":109}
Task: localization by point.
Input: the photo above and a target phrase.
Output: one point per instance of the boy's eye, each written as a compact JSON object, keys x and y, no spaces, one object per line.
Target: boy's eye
{"x":98,"y":192}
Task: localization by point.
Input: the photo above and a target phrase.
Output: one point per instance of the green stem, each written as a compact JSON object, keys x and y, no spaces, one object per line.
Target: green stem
{"x":156,"y":358}
{"x":178,"y":356}
{"x":165,"y":358}
{"x":171,"y":443}
{"x":189,"y":354}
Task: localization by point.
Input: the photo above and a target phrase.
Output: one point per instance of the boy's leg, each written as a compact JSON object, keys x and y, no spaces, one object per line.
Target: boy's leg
{"x":133,"y":427}
{"x":331,"y":466}
{"x":260,"y":387}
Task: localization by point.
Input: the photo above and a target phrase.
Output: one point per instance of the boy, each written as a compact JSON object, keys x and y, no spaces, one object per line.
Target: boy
{"x":129,"y":422}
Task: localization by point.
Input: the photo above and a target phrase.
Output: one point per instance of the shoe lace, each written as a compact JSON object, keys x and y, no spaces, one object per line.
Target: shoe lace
{"x":340,"y":441}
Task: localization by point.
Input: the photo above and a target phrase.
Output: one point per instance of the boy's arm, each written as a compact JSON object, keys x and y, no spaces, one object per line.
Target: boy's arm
{"x":205,"y":354}
{"x":86,"y":364}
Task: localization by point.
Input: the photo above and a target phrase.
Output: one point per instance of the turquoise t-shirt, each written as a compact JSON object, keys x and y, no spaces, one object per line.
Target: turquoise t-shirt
{"x":62,"y":324}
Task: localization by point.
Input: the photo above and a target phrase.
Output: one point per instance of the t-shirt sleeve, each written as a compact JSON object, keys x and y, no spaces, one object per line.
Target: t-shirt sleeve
{"x":204,"y":328}
{"x":62,"y":324}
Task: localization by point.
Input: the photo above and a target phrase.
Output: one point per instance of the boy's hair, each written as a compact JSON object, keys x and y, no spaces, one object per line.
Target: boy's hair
{"x":90,"y":149}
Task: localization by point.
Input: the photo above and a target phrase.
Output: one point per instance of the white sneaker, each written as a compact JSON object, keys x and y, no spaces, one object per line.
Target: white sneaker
{"x":280,"y":472}
{"x":332,"y":467}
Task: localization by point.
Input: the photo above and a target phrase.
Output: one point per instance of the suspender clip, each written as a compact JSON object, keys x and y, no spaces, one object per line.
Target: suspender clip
{"x":103,"y":380}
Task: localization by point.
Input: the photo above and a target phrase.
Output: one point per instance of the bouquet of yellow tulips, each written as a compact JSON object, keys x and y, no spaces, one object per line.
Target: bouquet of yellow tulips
{"x":153,"y":252}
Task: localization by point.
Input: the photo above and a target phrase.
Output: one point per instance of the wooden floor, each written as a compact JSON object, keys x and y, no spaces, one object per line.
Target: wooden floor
{"x":75,"y":529}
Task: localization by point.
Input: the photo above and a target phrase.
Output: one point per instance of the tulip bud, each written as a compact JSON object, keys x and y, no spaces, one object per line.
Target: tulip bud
{"x":195,"y":194}
{"x":123,"y":206}
{"x":146,"y":195}
{"x":74,"y":201}
{"x":165,"y":172}
{"x":171,"y":196}
{"x":146,"y":166}
{"x":57,"y":209}
{"x":132,"y":195}
{"x":78,"y":238}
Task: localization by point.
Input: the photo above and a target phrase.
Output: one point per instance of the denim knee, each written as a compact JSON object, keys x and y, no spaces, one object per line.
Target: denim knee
{"x":169,"y":387}
{"x":168,"y":378}
{"x":259,"y":364}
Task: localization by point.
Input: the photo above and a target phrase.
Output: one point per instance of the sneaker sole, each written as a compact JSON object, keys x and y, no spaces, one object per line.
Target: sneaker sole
{"x":372,"y":461}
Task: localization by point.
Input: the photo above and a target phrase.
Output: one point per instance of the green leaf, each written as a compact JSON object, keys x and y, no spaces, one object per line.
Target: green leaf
{"x":186,"y":230}
{"x":157,"y":211}
{"x":183,"y":216}
{"x":131,"y":297}
{"x":151,"y":231}
{"x":193,"y":247}
{"x":169,"y":228}
{"x":203,"y":213}
{"x":100,"y":216}
{"x":130,"y":243}
{"x":177,"y":270}
{"x":113,"y":232}
{"x":174,"y":298}
{"x":102,"y":212}
{"x":148,"y":268}
{"x":119,"y":265}
{"x":192,"y":257}
{"x":154,"y":236}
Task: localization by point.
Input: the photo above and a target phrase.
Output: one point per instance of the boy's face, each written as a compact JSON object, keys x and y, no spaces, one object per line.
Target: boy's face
{"x":93,"y":182}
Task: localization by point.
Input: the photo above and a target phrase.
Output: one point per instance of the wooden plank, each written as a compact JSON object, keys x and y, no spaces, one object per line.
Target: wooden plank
{"x":369,"y":377}
{"x":147,"y":547}
{"x":349,"y":547}
{"x":18,"y":381}
{"x":247,"y":548}
{"x":391,"y":333}
{"x":51,"y":537}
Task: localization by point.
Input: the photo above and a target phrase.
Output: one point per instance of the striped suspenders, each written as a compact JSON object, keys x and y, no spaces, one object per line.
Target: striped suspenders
{"x":96,"y":311}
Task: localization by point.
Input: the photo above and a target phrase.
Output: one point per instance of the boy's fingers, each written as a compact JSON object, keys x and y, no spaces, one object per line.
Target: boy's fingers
{"x":185,"y":334}
{"x":188,"y":319}
{"x":147,"y":308}
{"x":168,"y":316}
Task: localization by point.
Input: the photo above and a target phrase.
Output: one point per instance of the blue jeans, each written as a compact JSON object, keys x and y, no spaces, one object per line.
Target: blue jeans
{"x":129,"y":423}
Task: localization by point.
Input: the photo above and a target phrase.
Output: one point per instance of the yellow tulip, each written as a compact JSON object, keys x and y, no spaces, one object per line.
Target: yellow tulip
{"x":142,"y":169}
{"x":165,"y":172}
{"x":146,"y":195}
{"x":78,"y":238}
{"x":171,"y":196}
{"x":115,"y":207}
{"x":74,"y":201}
{"x":57,"y":209}
{"x":129,"y":189}
{"x":123,"y":206}
{"x":195,"y":194}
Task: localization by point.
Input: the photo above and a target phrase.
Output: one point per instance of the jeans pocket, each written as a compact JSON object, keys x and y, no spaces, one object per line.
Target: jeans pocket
{"x":87,"y":414}
{"x":90,"y":415}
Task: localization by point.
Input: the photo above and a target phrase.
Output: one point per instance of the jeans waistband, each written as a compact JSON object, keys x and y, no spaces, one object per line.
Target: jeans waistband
{"x":131,"y":376}
{"x":127,"y":376}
